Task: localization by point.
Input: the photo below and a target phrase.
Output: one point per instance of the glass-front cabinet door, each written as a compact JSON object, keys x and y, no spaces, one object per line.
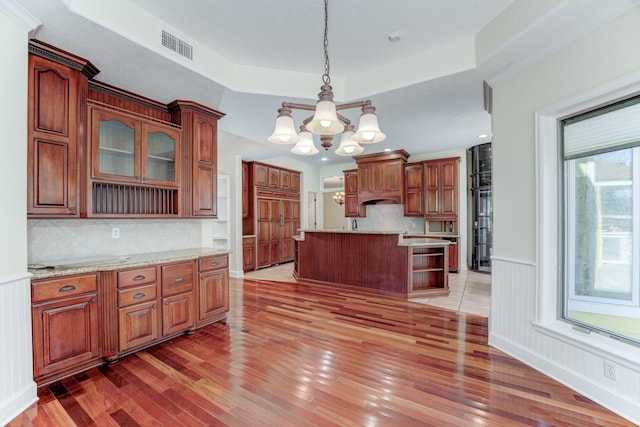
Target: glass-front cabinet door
{"x":116,"y":145}
{"x":129,"y":149}
{"x":160,"y":145}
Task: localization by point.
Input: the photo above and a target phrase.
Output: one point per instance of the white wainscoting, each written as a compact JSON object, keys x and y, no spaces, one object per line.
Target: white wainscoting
{"x":17,"y":388}
{"x":572,"y":358}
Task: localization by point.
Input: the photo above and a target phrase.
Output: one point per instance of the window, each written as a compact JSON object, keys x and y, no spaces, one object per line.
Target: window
{"x":601,"y":156}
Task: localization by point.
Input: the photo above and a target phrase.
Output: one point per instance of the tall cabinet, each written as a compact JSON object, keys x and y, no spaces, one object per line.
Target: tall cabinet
{"x":274,"y":213}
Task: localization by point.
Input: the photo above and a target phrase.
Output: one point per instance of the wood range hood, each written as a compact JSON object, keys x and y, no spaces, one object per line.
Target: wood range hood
{"x":381,"y":177}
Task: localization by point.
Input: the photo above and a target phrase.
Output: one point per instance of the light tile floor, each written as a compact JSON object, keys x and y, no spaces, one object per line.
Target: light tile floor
{"x":470,"y":291}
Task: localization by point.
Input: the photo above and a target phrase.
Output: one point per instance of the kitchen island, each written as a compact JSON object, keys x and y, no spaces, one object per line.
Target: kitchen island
{"x":380,"y":262}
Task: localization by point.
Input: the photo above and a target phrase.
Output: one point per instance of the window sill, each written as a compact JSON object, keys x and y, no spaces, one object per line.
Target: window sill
{"x":619,"y":352}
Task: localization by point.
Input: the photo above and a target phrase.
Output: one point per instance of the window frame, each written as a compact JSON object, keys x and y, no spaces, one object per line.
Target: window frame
{"x":549,"y":198}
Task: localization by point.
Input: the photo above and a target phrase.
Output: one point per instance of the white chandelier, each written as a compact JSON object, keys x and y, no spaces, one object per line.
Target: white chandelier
{"x":326,"y":121}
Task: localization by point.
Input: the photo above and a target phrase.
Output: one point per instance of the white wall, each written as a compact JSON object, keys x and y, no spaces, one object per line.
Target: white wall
{"x":17,"y":389}
{"x":523,"y":294}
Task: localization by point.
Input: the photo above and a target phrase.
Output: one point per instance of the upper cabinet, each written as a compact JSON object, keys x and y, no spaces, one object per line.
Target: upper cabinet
{"x":414,"y":198}
{"x":441,"y":188}
{"x":130,"y":149}
{"x":381,"y":177}
{"x":57,"y":92}
{"x":351,"y":206}
{"x":98,"y":151}
{"x":200,"y":162}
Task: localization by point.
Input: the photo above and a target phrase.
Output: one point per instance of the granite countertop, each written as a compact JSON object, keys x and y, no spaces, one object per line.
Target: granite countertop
{"x":105,"y":263}
{"x":313,"y":230}
{"x":422,"y":241}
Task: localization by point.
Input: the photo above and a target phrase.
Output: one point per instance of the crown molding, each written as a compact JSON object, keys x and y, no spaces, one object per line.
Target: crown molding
{"x":19,"y":14}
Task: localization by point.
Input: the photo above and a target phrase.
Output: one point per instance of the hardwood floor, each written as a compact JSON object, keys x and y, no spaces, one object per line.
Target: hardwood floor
{"x":294,"y":355}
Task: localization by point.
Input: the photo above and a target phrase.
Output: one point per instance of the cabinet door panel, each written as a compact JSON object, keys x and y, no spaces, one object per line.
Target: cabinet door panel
{"x":138,"y":325}
{"x":206,"y":140}
{"x":204,"y":202}
{"x":65,"y":333}
{"x":52,"y":96}
{"x":161,"y":148}
{"x":52,"y":161}
{"x":260,"y":175}
{"x":214,"y":294}
{"x":178,"y":314}
{"x":274,"y":177}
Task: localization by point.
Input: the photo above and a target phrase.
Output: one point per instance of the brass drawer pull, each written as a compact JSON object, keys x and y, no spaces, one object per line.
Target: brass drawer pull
{"x":67,"y":288}
{"x":138,"y":278}
{"x":139,"y":295}
{"x":178,"y":279}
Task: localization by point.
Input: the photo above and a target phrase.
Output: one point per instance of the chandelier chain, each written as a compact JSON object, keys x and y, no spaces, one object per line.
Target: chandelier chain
{"x":325,"y":77}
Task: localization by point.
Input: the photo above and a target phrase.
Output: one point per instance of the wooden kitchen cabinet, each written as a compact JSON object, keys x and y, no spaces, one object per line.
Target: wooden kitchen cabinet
{"x":138,"y":323}
{"x":56,"y":115}
{"x":213,"y":289}
{"x":200,"y":162}
{"x":245,"y":190}
{"x":129,"y":149}
{"x":414,"y":198}
{"x":248,"y":253}
{"x":441,"y":188}
{"x":274,"y":213}
{"x":178,"y":310}
{"x":381,"y":176}
{"x":65,"y":325}
{"x":351,"y":206}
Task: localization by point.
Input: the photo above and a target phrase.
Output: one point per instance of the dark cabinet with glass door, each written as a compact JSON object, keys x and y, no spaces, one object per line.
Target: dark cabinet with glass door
{"x":126,"y":148}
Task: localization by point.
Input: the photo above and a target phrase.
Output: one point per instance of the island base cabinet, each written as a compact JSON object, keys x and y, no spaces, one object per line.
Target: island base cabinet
{"x":138,"y":325}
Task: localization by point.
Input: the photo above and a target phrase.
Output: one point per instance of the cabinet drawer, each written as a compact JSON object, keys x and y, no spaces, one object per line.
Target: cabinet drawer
{"x":63,"y":287}
{"x":212,"y":263}
{"x":137,"y":277}
{"x":177,"y":278}
{"x":137,"y":295}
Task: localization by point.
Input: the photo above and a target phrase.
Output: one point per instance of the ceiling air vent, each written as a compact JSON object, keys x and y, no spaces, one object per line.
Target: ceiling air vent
{"x":180,"y":47}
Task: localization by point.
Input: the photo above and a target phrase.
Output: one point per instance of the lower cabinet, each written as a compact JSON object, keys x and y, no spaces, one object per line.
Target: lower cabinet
{"x":178,"y":311}
{"x":81,"y":321}
{"x":137,"y":308}
{"x":248,"y":254}
{"x":65,"y":323}
{"x":213,"y":292}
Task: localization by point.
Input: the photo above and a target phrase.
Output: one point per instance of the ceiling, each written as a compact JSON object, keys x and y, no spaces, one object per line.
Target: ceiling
{"x":251,"y":55}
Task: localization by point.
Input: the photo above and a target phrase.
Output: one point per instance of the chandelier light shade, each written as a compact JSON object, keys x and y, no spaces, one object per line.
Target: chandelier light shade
{"x":326,"y":121}
{"x":368,"y":130}
{"x":348,"y":147}
{"x":305,"y":145}
{"x":338,"y":197}
{"x":285,"y":132}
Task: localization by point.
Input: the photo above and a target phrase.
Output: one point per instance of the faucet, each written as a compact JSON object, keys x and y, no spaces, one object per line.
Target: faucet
{"x":354,"y":224}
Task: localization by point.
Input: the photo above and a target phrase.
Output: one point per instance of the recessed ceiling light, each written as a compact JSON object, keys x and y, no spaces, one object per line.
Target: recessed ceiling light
{"x":324,"y":159}
{"x":484,"y":135}
{"x":387,"y":149}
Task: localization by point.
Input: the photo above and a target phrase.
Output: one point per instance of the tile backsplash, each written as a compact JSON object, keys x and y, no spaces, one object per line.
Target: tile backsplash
{"x":389,"y":218}
{"x":51,"y":240}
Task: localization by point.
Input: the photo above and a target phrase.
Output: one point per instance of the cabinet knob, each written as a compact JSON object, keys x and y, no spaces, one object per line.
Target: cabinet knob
{"x":138,"y":295}
{"x":93,"y":299}
{"x":66,"y":288}
{"x":138,"y":278}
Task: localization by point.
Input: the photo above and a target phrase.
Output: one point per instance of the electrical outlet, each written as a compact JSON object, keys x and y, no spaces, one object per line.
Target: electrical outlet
{"x":610,"y":370}
{"x":115,"y":233}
